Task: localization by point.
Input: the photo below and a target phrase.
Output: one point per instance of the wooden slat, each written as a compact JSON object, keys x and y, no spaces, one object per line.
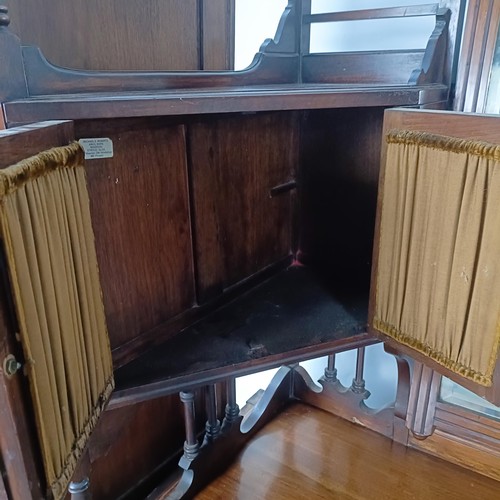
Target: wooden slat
{"x":478,"y":48}
{"x":217,"y":34}
{"x":220,"y":101}
{"x":369,"y":68}
{"x":386,"y":13}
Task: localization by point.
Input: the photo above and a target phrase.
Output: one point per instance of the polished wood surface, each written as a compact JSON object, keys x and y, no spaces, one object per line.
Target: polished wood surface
{"x":239,"y":227}
{"x":219,"y":100}
{"x":157,"y":260}
{"x":140,"y":214}
{"x":281,"y":61}
{"x":306,"y":453}
{"x":128,"y":35}
{"x":130,"y":444}
{"x":464,"y":437}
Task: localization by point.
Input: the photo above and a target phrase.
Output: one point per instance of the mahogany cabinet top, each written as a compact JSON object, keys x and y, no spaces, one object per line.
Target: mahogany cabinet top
{"x":284,"y":75}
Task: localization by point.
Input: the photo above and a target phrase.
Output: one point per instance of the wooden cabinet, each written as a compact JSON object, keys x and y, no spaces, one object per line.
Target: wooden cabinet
{"x":233,"y":223}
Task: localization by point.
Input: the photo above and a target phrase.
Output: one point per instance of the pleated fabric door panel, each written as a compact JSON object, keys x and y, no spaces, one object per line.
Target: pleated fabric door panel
{"x":48,"y":241}
{"x":436,"y":279}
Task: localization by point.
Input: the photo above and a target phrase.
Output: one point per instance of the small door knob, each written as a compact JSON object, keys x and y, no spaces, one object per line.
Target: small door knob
{"x":11,"y":366}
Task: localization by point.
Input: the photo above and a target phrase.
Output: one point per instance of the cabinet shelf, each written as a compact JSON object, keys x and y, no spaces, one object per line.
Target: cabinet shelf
{"x":293,"y":316}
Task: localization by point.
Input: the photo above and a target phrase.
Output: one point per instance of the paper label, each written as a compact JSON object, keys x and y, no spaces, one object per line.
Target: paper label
{"x":98,"y":147}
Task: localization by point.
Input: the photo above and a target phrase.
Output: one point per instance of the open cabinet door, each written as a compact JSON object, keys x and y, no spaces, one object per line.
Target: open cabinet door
{"x":56,"y":362}
{"x":435,"y":292}
{"x":20,"y":455}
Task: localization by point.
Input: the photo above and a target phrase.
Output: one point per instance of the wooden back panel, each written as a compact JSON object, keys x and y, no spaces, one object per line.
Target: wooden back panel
{"x":183,"y":211}
{"x":128,"y":35}
{"x":240,"y":228}
{"x":140,"y":212}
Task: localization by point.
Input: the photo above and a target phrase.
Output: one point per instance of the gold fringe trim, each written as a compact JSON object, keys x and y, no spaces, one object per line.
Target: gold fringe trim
{"x":485,"y":379}
{"x":444,"y":143}
{"x":17,"y":175}
{"x":59,"y":486}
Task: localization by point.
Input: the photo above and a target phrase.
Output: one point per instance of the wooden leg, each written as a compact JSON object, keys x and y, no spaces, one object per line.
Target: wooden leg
{"x":232,"y":410}
{"x":358,"y":383}
{"x":330,"y":370}
{"x":424,"y":392}
{"x":212,"y":427}
{"x":191,"y":445}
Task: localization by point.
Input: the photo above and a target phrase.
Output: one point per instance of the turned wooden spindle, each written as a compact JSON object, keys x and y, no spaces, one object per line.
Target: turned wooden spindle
{"x":80,"y":490}
{"x":232,"y":410}
{"x":191,"y":445}
{"x":358,"y":383}
{"x":212,"y":427}
{"x":4,"y":16}
{"x":330,"y":370}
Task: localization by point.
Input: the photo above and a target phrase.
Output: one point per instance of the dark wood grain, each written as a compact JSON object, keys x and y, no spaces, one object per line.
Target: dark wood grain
{"x":465,"y":438}
{"x":130,"y":35}
{"x":217,"y":19}
{"x":278,"y":62}
{"x":43,"y":78}
{"x":22,"y":142}
{"x":140,"y":213}
{"x":19,"y":451}
{"x":239,"y":228}
{"x":112,"y":35}
{"x":133,"y":444}
{"x":222,"y":100}
{"x":394,"y":67}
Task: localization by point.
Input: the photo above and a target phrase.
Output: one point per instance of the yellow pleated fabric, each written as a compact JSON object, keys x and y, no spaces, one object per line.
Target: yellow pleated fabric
{"x":438,"y":274}
{"x":49,"y":244}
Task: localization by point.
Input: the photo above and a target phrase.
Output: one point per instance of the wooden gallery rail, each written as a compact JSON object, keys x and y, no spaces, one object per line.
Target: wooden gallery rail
{"x":234,"y":225}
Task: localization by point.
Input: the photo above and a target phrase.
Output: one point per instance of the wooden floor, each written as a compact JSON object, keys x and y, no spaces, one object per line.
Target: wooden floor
{"x":306,"y":453}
